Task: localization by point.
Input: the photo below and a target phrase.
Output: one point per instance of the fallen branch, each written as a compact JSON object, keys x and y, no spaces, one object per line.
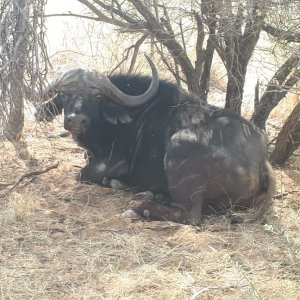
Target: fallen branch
{"x":280,"y":195}
{"x":272,"y":141}
{"x":32,"y":173}
{"x":4,"y":185}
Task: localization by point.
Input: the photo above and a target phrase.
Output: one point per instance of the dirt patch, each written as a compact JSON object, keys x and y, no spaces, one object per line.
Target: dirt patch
{"x":63,"y":240}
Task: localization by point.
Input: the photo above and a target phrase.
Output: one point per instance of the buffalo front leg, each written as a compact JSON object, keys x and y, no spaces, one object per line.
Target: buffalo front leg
{"x":93,"y":173}
{"x":104,"y":174}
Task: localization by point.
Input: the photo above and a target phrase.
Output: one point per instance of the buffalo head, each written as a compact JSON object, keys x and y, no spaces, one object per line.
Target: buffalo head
{"x":84,"y":95}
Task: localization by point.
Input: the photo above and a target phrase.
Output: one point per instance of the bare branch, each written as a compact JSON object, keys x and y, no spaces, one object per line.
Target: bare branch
{"x":175,"y":72}
{"x":200,"y":54}
{"x":210,"y":9}
{"x":136,"y":47}
{"x":136,"y":51}
{"x":23,"y":60}
{"x":281,"y":91}
{"x":146,"y":13}
{"x":256,"y":95}
{"x":102,"y":17}
{"x":287,"y":75}
{"x":166,"y":22}
{"x":122,"y":61}
{"x":281,"y":34}
{"x":71,"y":15}
{"x":31,"y":174}
{"x":172,"y":45}
{"x":155,"y":5}
{"x":182,"y":35}
{"x":288,"y":138}
{"x":119,"y":12}
{"x":252,"y":32}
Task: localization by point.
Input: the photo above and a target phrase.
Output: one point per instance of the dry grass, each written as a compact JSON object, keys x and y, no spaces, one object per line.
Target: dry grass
{"x":284,"y":108}
{"x":63,"y":240}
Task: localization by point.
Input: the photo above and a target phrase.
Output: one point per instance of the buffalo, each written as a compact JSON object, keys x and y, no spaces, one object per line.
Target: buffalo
{"x":146,"y":134}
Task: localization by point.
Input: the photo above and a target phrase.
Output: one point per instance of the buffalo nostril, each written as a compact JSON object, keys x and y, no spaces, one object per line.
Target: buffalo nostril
{"x":76,"y":120}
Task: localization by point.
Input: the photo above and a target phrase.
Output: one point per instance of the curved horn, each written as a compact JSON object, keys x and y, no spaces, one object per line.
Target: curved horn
{"x":111,"y":91}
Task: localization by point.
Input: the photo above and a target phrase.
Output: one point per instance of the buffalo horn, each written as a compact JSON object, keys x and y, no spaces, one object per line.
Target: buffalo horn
{"x":112,"y":92}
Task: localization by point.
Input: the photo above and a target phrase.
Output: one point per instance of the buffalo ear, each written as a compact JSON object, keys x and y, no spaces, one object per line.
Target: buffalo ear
{"x":115,"y":114}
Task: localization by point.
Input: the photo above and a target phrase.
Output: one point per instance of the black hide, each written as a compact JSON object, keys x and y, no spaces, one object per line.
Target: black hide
{"x":196,"y":155}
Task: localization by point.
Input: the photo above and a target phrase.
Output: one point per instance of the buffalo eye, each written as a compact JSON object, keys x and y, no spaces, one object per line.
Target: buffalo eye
{"x":99,"y":96}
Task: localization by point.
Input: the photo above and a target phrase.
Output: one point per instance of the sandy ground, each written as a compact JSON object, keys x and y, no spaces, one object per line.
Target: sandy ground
{"x":63,"y":240}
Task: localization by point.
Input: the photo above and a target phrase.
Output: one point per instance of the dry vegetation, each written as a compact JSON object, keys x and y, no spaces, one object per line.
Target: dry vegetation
{"x":63,"y":240}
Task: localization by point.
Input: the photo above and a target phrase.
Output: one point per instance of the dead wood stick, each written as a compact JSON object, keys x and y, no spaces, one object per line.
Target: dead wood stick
{"x":272,"y":141}
{"x":280,"y":195}
{"x":33,"y":173}
{"x":4,"y":185}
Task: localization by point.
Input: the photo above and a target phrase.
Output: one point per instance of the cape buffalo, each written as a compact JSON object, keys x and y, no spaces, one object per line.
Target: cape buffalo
{"x":150,"y":135}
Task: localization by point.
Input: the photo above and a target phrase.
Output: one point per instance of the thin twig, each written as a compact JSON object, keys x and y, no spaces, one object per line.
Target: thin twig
{"x":272,"y":141}
{"x":71,"y":15}
{"x":280,"y":195}
{"x":33,"y":173}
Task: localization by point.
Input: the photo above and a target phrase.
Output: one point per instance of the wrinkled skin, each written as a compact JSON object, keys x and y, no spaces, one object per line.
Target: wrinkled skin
{"x":204,"y":159}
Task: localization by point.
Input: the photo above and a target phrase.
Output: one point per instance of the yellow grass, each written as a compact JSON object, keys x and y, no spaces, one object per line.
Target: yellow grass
{"x":285,"y":107}
{"x":63,"y":240}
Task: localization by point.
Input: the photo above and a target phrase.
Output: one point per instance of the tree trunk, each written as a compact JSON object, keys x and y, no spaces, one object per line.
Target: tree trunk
{"x":276,"y":90}
{"x":209,"y":54}
{"x":288,"y":138}
{"x":15,"y":122}
{"x":240,"y":37}
{"x":235,"y":85}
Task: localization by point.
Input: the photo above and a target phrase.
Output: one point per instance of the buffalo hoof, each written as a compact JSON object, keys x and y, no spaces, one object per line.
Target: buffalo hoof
{"x":117,"y":184}
{"x":130,"y":214}
{"x":79,"y":178}
{"x":82,"y":179}
{"x":89,"y":175}
{"x":145,"y":195}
